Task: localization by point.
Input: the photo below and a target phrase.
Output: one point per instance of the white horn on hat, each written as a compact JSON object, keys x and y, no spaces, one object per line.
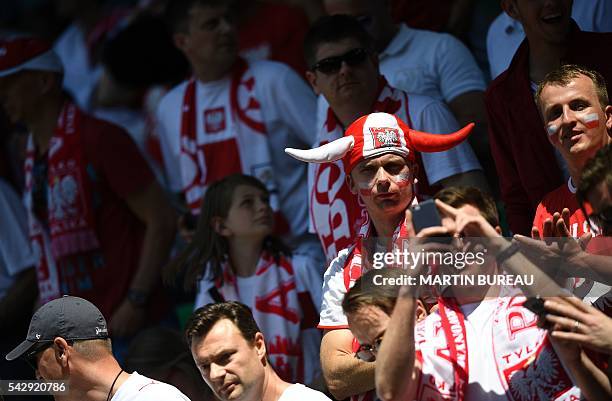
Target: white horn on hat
{"x":330,"y":152}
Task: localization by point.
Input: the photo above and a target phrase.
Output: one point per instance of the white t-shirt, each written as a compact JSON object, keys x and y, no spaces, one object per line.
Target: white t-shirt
{"x":287,"y":106}
{"x":299,"y":392}
{"x":80,"y":77}
{"x":15,"y":252}
{"x":430,"y":63}
{"x":141,"y":388}
{"x":506,"y":34}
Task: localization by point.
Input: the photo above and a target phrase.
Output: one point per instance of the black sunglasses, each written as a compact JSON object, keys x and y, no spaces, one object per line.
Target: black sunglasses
{"x":367,"y":352}
{"x":331,"y":65}
{"x":30,"y":356}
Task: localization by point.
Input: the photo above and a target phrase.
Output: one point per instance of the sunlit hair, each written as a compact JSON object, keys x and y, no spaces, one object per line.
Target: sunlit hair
{"x":564,"y":75}
{"x":204,"y":318}
{"x":93,"y":349}
{"x":208,"y":250}
{"x":461,"y":196}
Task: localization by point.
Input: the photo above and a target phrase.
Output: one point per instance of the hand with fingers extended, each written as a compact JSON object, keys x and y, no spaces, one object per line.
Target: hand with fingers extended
{"x":467,"y":224}
{"x":575,"y":321}
{"x":555,"y":227}
{"x":555,"y":251}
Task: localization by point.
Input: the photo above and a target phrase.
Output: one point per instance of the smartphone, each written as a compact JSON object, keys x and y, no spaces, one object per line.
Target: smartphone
{"x":425,"y":214}
{"x":536,"y":305}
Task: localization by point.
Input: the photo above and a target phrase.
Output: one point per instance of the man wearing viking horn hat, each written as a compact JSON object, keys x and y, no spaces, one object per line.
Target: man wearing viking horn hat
{"x":378,"y":152}
{"x":344,"y":70}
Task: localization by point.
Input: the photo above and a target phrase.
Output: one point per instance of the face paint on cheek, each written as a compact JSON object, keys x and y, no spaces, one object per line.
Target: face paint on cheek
{"x":403,"y":180}
{"x":591,"y":120}
{"x":365,"y":189}
{"x":552,"y":129}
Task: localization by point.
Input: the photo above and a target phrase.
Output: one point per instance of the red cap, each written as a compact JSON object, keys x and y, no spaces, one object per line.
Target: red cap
{"x":27,"y":53}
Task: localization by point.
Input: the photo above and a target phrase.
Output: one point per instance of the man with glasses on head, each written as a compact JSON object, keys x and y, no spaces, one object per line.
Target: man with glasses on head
{"x":68,"y":340}
{"x":343,"y":68}
{"x":426,"y":63}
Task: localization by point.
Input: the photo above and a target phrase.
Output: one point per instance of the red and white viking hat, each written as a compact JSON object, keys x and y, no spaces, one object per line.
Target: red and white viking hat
{"x":27,"y":53}
{"x":375,"y":134}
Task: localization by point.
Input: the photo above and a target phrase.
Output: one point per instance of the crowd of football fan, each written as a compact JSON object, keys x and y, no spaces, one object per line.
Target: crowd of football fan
{"x":196,"y":197}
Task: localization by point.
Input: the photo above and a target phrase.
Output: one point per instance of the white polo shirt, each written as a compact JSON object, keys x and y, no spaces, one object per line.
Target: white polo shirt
{"x":430,"y":63}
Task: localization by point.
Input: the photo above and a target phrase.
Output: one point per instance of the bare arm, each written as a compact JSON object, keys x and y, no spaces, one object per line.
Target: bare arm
{"x":153,"y":209}
{"x":345,"y":375}
{"x":397,"y":372}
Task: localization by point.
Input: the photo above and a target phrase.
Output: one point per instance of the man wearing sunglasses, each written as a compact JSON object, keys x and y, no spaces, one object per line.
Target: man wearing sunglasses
{"x":426,"y":63}
{"x":68,"y":340}
{"x":343,"y":68}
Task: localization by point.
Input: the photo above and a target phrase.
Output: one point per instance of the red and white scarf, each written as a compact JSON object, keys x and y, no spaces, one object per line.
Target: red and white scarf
{"x":71,"y":220}
{"x":218,"y":148}
{"x":277,"y":309}
{"x":527,"y":366}
{"x":336,"y":214}
{"x":354,"y":268}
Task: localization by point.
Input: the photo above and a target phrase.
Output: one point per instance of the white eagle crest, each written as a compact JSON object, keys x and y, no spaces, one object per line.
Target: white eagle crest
{"x":387,"y":137}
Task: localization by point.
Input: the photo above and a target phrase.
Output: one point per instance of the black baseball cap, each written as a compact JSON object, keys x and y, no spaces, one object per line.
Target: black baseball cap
{"x":71,"y":318}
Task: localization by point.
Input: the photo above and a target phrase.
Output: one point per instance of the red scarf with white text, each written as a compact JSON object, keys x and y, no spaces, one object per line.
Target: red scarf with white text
{"x":527,"y":366}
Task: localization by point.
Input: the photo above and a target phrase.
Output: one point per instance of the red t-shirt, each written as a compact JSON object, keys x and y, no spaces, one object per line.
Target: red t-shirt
{"x":556,"y":201}
{"x":116,"y":170}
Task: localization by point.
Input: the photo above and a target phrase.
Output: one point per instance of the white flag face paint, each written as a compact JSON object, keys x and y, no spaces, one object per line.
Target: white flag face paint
{"x":591,"y":120}
{"x":552,"y":129}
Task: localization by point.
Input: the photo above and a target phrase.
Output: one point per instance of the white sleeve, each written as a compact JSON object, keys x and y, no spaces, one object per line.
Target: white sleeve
{"x":457,"y":69}
{"x":168,"y":126}
{"x":430,"y":115}
{"x":15,"y":251}
{"x":503,"y":38}
{"x":293,"y":102}
{"x":332,"y":316}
